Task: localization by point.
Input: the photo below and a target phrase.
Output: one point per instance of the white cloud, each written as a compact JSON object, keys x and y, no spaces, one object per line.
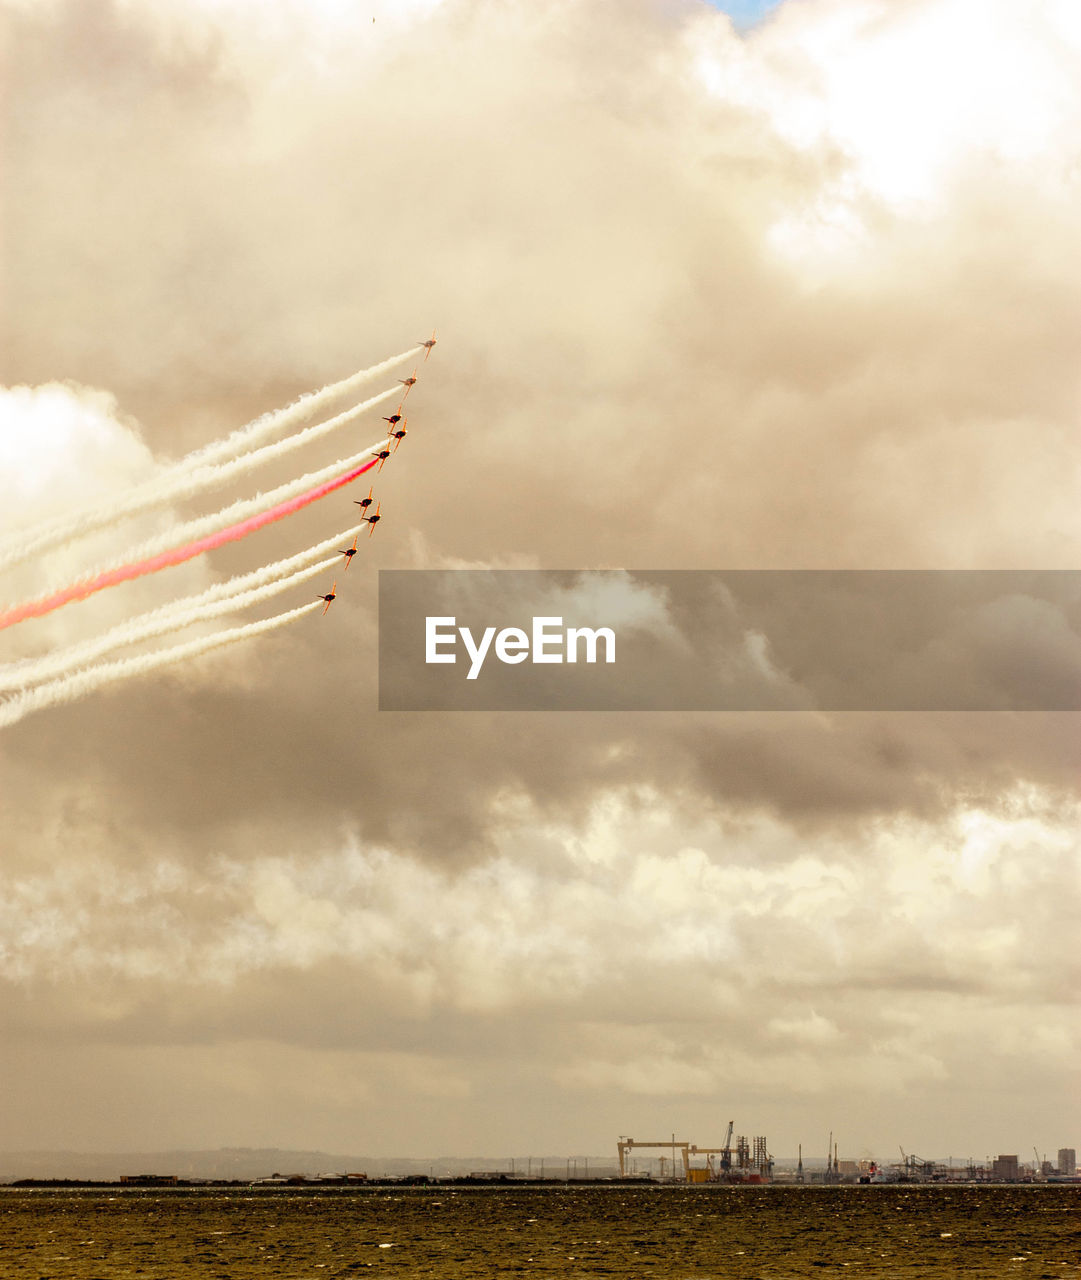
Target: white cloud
{"x":903,"y":106}
{"x":61,"y":445}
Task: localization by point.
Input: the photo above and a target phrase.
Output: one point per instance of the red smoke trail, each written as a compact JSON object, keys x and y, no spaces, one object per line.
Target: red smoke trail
{"x":80,"y":590}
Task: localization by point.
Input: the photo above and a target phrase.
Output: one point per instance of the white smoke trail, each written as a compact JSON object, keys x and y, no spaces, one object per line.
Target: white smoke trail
{"x":50,"y":532}
{"x":84,"y":682}
{"x":257,"y":577}
{"x":174,"y":485}
{"x":281,"y":419}
{"x":238,"y":511}
{"x":211,"y":603}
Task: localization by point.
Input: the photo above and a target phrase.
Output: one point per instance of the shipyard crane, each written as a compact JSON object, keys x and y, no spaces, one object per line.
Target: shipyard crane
{"x":709,"y":1153}
{"x":628,"y":1144}
{"x":916,"y":1167}
{"x":726,"y":1150}
{"x":761,"y":1160}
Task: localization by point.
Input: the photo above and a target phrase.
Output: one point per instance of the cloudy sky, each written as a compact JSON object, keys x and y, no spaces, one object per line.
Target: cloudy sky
{"x":794,"y":291}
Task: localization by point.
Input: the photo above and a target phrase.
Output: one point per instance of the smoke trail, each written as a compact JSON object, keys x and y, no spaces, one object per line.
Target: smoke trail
{"x":146,"y":626}
{"x":240,"y":510}
{"x":236,"y":514}
{"x":84,"y":682}
{"x":151,"y":563}
{"x":281,"y":419}
{"x":176,"y":484}
{"x":257,"y":577}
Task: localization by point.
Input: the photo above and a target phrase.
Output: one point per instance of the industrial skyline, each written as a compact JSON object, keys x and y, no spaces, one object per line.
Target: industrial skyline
{"x":678,"y":1161}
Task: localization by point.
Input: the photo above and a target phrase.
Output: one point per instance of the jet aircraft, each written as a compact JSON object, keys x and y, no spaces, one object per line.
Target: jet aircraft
{"x":350,"y":552}
{"x":365,"y":503}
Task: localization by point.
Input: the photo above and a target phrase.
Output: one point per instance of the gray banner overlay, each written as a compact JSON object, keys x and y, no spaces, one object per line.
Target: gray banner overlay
{"x":729,"y":640}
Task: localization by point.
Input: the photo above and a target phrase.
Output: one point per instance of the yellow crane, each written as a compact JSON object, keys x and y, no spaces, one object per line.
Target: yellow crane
{"x":626,"y":1145}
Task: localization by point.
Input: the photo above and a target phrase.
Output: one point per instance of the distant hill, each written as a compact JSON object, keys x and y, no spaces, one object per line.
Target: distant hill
{"x":246,"y":1163}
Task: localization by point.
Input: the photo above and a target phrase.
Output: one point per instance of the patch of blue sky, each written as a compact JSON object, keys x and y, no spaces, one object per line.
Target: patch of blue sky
{"x":745,"y":13}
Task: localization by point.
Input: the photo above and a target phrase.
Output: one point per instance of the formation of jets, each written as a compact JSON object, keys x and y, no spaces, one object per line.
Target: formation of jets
{"x":396,"y":432}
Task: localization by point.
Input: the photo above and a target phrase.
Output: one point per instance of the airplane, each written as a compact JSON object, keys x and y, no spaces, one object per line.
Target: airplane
{"x":350,"y":552}
{"x":382,"y":455}
{"x":373,"y":520}
{"x":328,"y":598}
{"x":397,"y":436}
{"x":429,"y":344}
{"x":365,"y":503}
{"x":411,"y":381}
{"x":395,"y":418}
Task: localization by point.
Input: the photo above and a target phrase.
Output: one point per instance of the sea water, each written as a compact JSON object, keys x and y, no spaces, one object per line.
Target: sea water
{"x":710,"y":1233}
